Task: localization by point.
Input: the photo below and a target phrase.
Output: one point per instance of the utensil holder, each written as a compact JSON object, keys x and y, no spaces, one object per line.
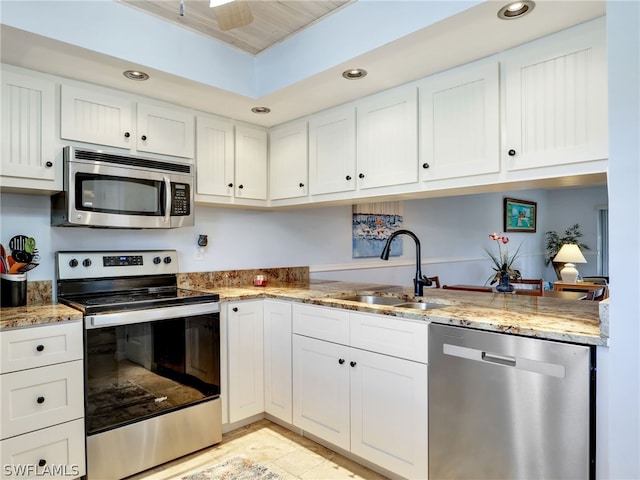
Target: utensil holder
{"x":13,"y":292}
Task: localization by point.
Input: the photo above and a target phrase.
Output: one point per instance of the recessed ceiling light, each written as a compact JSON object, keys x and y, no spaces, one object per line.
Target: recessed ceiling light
{"x":261,"y":110}
{"x":354,"y":73}
{"x":136,"y":75}
{"x":516,"y":9}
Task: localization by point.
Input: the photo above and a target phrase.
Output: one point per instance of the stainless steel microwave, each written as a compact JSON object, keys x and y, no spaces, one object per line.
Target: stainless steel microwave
{"x":112,"y":190}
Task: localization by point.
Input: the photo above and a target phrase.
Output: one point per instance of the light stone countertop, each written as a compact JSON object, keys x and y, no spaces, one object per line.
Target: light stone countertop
{"x":576,"y":321}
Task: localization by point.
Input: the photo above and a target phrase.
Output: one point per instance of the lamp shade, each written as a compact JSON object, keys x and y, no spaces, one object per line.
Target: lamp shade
{"x":569,"y":253}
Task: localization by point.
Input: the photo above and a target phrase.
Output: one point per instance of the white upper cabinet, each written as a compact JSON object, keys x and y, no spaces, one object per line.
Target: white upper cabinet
{"x":332,"y":151}
{"x":288,"y":160}
{"x":214,"y":156}
{"x":556,"y":99}
{"x":387,"y":138}
{"x":103,"y":118}
{"x":29,"y":156}
{"x":165,"y":130}
{"x":251,"y":163}
{"x":460,"y":123}
{"x":94,"y":117}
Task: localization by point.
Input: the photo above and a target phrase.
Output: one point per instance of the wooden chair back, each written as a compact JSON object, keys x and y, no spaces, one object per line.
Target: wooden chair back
{"x":532,"y":286}
{"x":469,"y":288}
{"x":600,"y":292}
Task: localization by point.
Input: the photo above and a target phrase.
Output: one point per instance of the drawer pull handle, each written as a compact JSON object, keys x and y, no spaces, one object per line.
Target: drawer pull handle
{"x":42,"y":462}
{"x":341,"y":361}
{"x":235,"y":309}
{"x":353,"y":364}
{"x":40,"y":348}
{"x":40,"y":400}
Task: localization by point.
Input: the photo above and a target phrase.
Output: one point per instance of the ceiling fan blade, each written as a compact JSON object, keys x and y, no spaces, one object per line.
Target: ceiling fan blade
{"x":233,"y":15}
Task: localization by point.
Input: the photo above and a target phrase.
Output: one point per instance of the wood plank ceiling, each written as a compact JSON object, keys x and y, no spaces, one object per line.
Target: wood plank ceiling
{"x":273,"y":21}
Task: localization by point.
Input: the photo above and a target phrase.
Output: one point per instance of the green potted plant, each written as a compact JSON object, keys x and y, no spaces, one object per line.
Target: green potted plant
{"x":554,"y":241}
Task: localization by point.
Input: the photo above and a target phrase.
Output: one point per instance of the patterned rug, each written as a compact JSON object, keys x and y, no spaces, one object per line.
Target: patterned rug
{"x":236,"y":468}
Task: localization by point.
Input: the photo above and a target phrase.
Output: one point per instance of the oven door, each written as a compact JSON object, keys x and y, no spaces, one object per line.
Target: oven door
{"x":136,"y":371}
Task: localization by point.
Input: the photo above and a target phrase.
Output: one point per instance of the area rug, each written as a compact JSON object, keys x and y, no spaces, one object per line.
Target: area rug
{"x":236,"y":468}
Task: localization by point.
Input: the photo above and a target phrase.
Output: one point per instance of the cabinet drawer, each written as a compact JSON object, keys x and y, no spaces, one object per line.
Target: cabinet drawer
{"x":323,"y":323}
{"x":41,"y":397}
{"x":390,"y":336}
{"x":59,"y":449}
{"x":38,"y":346}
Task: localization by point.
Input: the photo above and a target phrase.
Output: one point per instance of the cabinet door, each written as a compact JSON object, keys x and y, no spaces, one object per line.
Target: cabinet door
{"x":166,"y":131}
{"x":214,"y":156}
{"x":389,"y":412}
{"x":460,"y":125}
{"x":95,"y":117}
{"x":387,"y":138}
{"x":28,"y":126}
{"x":251,"y":163}
{"x":321,"y":389}
{"x":277,"y":359}
{"x":245,"y":350}
{"x":332,"y":151}
{"x":288,"y":161}
{"x":556,"y":99}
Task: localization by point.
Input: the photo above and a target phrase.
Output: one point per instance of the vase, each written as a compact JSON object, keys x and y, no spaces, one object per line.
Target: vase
{"x":504,"y":286}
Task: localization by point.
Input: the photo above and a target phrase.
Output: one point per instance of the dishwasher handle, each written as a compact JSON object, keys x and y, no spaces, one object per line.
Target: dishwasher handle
{"x":500,"y":359}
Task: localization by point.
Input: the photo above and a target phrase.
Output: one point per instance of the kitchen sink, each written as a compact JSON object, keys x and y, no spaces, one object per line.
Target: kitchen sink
{"x":420,"y":305}
{"x":374,"y":299}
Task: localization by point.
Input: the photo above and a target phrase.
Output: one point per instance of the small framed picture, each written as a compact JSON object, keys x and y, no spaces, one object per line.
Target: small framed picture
{"x":519,"y":215}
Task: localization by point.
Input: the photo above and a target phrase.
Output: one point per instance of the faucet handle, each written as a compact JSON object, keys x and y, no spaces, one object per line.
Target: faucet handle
{"x":426,"y":282}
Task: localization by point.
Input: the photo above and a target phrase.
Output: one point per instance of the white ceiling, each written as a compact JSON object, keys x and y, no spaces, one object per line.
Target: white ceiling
{"x":472,"y":34}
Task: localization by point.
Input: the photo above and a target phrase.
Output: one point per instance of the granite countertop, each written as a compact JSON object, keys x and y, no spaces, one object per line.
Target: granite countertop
{"x":576,"y":321}
{"x":37,"y":314}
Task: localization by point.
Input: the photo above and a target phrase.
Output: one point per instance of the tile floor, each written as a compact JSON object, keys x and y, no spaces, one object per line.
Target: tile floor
{"x":284,"y":452}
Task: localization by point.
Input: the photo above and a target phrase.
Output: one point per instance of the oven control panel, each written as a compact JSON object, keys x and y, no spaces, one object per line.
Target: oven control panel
{"x":96,"y":264}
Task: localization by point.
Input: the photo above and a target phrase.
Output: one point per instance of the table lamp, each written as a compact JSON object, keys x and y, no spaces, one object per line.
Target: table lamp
{"x":569,"y":254}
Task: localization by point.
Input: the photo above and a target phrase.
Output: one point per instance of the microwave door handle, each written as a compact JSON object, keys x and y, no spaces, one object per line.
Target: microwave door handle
{"x":167,"y":199}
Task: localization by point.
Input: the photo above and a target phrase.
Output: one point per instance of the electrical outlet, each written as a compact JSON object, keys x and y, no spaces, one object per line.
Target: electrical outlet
{"x":198,"y":253}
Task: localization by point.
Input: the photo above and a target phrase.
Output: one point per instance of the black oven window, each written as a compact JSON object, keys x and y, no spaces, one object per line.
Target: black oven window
{"x":141,"y":370}
{"x":121,"y":195}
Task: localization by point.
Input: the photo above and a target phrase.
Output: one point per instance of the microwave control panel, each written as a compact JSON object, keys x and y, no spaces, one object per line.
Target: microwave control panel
{"x":180,"y":203}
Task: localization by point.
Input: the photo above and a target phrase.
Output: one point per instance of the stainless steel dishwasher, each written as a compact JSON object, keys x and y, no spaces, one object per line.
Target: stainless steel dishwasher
{"x":503,"y":407}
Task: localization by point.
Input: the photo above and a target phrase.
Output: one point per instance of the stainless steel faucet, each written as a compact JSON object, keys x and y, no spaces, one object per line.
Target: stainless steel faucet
{"x":420,"y":281}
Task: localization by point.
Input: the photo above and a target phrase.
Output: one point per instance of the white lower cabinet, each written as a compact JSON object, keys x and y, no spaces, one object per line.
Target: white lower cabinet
{"x":42,"y":398}
{"x":277,"y":359}
{"x":371,"y":404}
{"x":245,"y":337}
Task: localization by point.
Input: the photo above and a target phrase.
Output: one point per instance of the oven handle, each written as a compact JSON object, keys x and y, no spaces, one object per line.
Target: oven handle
{"x":149,"y":315}
{"x":167,"y":199}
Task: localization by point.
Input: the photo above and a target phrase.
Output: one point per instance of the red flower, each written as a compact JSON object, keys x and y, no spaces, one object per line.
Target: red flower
{"x":505,"y":239}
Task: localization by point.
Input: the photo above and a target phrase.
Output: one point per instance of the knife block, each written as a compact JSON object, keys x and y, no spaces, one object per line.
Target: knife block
{"x":13,"y":291}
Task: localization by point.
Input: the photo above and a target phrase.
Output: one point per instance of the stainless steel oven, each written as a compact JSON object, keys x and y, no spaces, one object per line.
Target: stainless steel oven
{"x":152,"y":359}
{"x":110,"y":190}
